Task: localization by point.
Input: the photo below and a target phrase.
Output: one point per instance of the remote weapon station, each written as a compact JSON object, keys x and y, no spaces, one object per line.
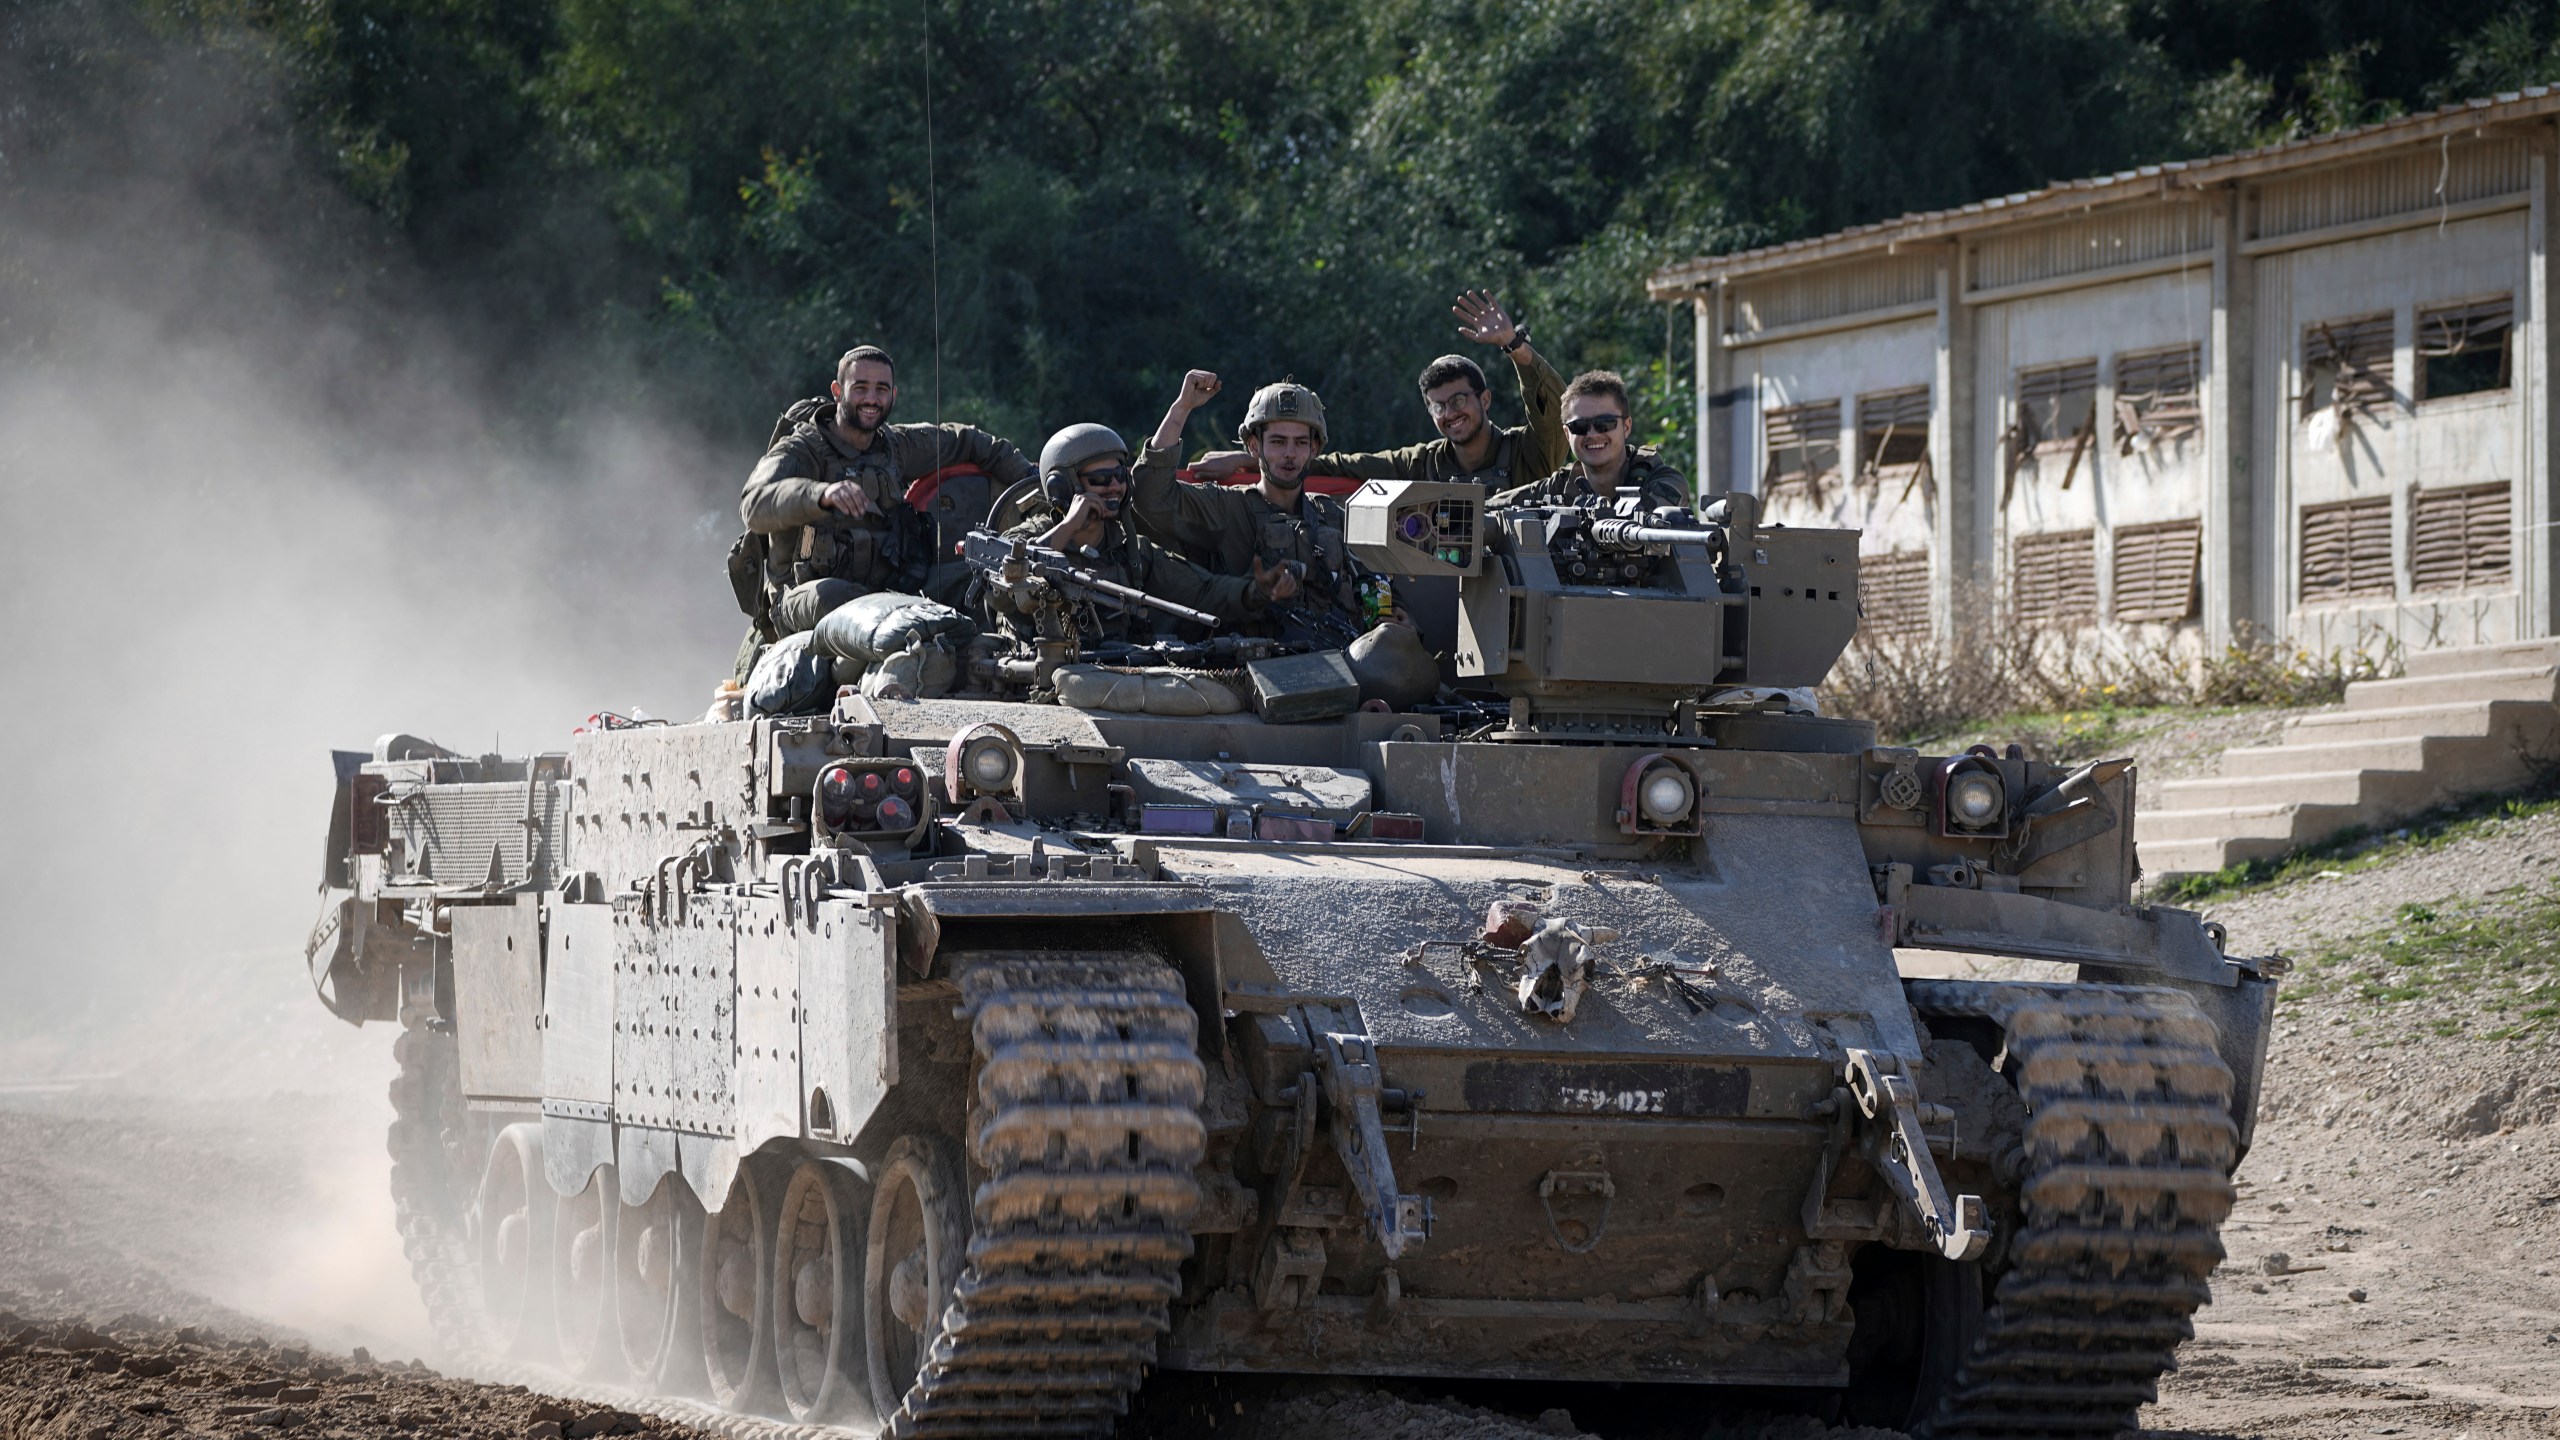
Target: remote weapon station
{"x":952,"y":1065}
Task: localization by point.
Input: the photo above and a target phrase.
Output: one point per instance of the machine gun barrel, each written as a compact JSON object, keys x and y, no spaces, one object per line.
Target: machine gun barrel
{"x":994,"y":554}
{"x":1615,"y":531}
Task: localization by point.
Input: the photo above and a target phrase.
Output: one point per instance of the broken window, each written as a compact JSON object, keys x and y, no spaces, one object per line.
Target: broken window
{"x":2346,"y":364}
{"x":2463,"y":349}
{"x":2056,"y":405}
{"x":2054,"y":577}
{"x":1893,"y":429}
{"x":2458,"y":539}
{"x":1804,"y":445}
{"x":1893,"y":593}
{"x":2155,"y":570}
{"x":2158,"y":397}
{"x":2346,"y":550}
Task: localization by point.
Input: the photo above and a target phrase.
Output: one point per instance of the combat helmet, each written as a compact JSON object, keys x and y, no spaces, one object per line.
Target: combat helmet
{"x":1284,"y":400}
{"x":1068,"y":449}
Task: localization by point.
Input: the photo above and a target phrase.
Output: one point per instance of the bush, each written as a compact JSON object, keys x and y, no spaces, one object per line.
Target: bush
{"x":1917,"y":687}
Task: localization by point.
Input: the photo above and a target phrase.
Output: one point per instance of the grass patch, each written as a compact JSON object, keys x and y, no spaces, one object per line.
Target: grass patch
{"x":2360,"y":848}
{"x":2496,"y":958}
{"x":2097,"y":731}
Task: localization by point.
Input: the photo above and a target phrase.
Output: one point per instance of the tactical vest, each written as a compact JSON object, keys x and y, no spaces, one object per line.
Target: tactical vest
{"x":1313,"y":538}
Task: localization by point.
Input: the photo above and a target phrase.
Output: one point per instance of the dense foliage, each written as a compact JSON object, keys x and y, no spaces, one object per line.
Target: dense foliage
{"x":1049,"y":208}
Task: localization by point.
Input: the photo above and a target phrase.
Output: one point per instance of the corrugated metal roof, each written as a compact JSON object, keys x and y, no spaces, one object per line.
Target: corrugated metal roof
{"x":1687,"y":277}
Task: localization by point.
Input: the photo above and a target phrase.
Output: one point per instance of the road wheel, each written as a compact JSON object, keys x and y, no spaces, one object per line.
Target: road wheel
{"x":732,"y":1291}
{"x":916,"y":1240}
{"x":653,"y":1305}
{"x":1917,"y":1316}
{"x":582,"y":1278}
{"x":511,"y":1220}
{"x":817,"y":1294}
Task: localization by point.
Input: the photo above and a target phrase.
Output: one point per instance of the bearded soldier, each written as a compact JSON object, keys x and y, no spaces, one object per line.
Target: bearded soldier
{"x":1273,"y":524}
{"x":830,"y":496}
{"x":1599,"y":419}
{"x":1470,"y":447}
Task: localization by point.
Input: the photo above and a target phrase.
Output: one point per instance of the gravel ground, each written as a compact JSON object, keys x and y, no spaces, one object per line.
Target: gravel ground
{"x":197,"y":1237}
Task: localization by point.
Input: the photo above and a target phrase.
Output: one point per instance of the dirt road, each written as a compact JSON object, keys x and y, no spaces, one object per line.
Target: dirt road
{"x":217,"y":1204}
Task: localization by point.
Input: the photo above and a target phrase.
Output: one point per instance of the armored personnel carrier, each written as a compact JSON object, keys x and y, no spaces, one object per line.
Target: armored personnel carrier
{"x":950,"y":1065}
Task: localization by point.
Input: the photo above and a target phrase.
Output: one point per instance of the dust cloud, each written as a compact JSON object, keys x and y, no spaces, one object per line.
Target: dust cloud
{"x":258,"y":500}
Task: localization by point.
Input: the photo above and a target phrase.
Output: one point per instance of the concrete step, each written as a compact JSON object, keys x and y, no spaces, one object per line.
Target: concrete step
{"x":2288,"y":823}
{"x":2395,"y":752}
{"x":2364,"y":791}
{"x":2533,"y":682}
{"x":2470,"y":659}
{"x":2451,"y":718}
{"x":2202,"y":857}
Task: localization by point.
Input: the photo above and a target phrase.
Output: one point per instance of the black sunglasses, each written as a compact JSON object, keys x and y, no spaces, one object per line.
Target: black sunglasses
{"x":1594,"y":424}
{"x":1116,"y":475}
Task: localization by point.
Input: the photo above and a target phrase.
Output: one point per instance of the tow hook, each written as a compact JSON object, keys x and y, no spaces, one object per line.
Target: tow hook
{"x":1898,"y":1148}
{"x":1347,"y":1066}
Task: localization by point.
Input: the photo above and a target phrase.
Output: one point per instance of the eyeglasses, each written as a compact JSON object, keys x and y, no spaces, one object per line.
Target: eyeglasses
{"x":1594,"y":424}
{"x":1098,"y":479}
{"x":1439,"y":408}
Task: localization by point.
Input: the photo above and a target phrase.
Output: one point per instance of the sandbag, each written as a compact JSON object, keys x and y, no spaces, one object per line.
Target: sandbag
{"x":925,"y":670}
{"x":1394,"y":666}
{"x":1144,"y":692}
{"x":791,"y":678}
{"x":885,"y":622}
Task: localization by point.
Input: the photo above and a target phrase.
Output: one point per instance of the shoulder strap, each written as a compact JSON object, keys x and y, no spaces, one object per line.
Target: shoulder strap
{"x":797,"y":414}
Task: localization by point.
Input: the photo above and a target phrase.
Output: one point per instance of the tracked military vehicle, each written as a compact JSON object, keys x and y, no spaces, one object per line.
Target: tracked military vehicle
{"x":951,"y":1065}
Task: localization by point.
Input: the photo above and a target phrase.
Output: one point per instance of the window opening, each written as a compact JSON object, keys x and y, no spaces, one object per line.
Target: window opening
{"x":2347,"y":364}
{"x":2158,"y":397}
{"x":2346,"y":550}
{"x":2057,"y":412}
{"x":1804,"y":445}
{"x":2464,"y":349}
{"x":2459,"y":538}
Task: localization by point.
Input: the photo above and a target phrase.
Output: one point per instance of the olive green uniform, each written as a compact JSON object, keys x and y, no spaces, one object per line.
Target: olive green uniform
{"x":1645,"y":475}
{"x":820,"y":558}
{"x":1225,"y":529}
{"x":1126,"y":558}
{"x":1520,"y":453}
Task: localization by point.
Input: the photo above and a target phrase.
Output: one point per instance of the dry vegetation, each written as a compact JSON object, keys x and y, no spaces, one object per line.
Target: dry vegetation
{"x":2005,"y":666}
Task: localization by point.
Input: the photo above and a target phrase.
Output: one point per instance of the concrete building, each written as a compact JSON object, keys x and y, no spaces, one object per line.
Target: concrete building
{"x":2307,"y":388}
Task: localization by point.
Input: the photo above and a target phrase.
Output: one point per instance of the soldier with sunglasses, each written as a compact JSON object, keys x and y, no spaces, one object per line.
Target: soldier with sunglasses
{"x":1598,"y":421}
{"x":1081,"y":512}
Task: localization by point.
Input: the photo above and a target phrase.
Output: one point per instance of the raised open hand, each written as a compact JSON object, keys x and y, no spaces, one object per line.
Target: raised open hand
{"x":1481,"y":318}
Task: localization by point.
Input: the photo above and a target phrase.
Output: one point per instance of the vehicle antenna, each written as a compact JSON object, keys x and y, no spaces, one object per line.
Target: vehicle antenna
{"x":932,"y":220}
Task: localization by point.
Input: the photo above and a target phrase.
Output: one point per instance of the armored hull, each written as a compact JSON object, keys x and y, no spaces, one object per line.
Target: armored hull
{"x":947,"y":1065}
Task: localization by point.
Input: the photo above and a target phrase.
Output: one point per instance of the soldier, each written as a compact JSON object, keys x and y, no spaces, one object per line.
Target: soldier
{"x":1471,"y":446}
{"x":830,"y":496}
{"x":1598,"y":417}
{"x":1272,"y":524}
{"x":1084,"y":485}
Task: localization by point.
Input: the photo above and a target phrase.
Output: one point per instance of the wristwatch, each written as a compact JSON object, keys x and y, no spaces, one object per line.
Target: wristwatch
{"x":1519,"y":337}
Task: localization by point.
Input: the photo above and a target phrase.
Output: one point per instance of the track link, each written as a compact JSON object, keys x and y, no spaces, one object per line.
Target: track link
{"x":2129,"y":1147}
{"x":429,"y":1131}
{"x":1086,"y":1125}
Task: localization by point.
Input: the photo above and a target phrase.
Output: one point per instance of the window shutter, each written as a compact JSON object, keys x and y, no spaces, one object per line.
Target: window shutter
{"x":2156,"y":393}
{"x":2357,"y":355}
{"x":1893,"y":593}
{"x":2458,"y":539}
{"x":2055,"y":576}
{"x":1893,"y":428}
{"x":2155,"y":570}
{"x":2054,"y":402}
{"x":2346,"y":550}
{"x":1804,"y":442}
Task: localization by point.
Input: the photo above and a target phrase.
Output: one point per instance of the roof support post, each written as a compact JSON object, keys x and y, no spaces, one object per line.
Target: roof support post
{"x":2235,"y":594}
{"x":1961,"y":570}
{"x":1715,"y":399}
{"x":2537,"y":508}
